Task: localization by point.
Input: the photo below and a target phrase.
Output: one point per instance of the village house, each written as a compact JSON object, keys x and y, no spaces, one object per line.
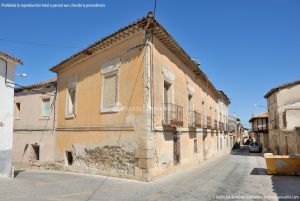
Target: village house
{"x":260,"y":128}
{"x":284,"y":118}
{"x":135,"y":105}
{"x":7,"y":76}
{"x":34,"y":124}
{"x":232,"y":129}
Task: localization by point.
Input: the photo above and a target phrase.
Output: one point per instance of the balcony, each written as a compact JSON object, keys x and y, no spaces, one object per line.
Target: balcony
{"x":173,"y":115}
{"x":260,"y":128}
{"x":215,"y":125}
{"x":221,"y":126}
{"x":208,"y":122}
{"x":194,"y":119}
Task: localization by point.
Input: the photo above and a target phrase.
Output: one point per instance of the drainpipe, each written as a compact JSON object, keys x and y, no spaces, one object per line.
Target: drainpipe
{"x":151,"y":83}
{"x":150,"y":32}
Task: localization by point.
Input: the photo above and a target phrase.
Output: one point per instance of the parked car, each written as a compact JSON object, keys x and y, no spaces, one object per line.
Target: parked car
{"x":254,"y":147}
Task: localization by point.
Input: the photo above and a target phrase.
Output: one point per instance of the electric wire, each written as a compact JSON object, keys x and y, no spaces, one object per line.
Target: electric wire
{"x":52,"y":108}
{"x":119,"y":137}
{"x":154,"y":9}
{"x":38,"y":44}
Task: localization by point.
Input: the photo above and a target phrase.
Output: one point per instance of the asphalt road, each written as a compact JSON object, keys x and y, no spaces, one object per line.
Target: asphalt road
{"x":236,"y":176}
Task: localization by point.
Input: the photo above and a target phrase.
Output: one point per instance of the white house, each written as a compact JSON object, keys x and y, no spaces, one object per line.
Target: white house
{"x":7,"y":76}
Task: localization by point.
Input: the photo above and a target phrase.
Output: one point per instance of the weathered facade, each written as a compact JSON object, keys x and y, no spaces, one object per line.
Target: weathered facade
{"x":284,"y":118}
{"x":260,"y":128}
{"x":7,"y":77}
{"x":135,"y":105}
{"x":34,"y":124}
{"x":233,"y":129}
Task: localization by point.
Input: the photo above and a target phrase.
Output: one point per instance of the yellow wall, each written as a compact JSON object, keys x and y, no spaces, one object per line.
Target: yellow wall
{"x":183,"y":76}
{"x":88,"y":90}
{"x":153,"y":148}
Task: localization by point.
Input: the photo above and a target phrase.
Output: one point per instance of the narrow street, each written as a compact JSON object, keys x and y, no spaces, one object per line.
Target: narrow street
{"x":237,"y":174}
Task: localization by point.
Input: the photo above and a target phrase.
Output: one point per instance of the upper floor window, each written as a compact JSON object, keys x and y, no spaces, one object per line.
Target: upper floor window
{"x":71,"y":102}
{"x":110,"y":86}
{"x":18,"y":110}
{"x":46,"y":107}
{"x":70,"y":105}
{"x":110,"y":90}
{"x":167,"y":91}
{"x":191,"y":109}
{"x":169,"y":78}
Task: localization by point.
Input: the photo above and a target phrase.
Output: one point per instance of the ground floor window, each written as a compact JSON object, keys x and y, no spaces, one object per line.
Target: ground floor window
{"x":195,"y":146}
{"x":35,"y":151}
{"x":69,"y":157}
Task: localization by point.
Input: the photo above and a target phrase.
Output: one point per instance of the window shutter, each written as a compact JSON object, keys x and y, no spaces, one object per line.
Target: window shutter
{"x":110,"y":91}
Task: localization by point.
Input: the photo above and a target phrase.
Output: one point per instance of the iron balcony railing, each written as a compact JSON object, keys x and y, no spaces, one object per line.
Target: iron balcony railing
{"x":263,"y":127}
{"x":173,"y":115}
{"x":194,"y":119}
{"x":208,"y":122}
{"x":203,"y":121}
{"x":221,"y":126}
{"x":215,"y":125}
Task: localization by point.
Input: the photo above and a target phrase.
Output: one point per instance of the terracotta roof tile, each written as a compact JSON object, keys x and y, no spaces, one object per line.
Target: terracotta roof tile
{"x":7,"y":56}
{"x":37,"y":85}
{"x":289,"y":84}
{"x":148,"y":22}
{"x":259,"y":115}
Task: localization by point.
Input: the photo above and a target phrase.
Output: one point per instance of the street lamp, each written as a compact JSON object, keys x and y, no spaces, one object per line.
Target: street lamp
{"x":22,"y":75}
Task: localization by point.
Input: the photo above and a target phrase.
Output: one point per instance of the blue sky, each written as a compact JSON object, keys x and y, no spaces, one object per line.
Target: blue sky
{"x":246,"y":47}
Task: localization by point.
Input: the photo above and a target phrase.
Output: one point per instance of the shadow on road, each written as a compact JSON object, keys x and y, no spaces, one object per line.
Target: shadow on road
{"x":259,"y":171}
{"x":244,"y":151}
{"x":17,"y":172}
{"x":286,"y":187}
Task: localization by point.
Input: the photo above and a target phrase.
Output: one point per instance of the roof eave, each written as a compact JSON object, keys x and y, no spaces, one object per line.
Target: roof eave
{"x":87,"y":51}
{"x":51,"y":82}
{"x":15,"y":61}
{"x":283,"y":86}
{"x":270,"y":93}
{"x":142,"y":24}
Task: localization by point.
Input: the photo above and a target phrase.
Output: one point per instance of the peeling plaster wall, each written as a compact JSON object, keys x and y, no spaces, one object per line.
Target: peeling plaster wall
{"x":187,"y":144}
{"x":154,"y":146}
{"x":167,"y":66}
{"x":264,"y":140}
{"x":288,"y":96}
{"x":117,"y":147}
{"x":289,"y":142}
{"x":208,"y":145}
{"x":272,"y":113}
{"x":109,"y":158}
{"x":282,"y":140}
{"x":164,"y":149}
{"x":104,"y":132}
